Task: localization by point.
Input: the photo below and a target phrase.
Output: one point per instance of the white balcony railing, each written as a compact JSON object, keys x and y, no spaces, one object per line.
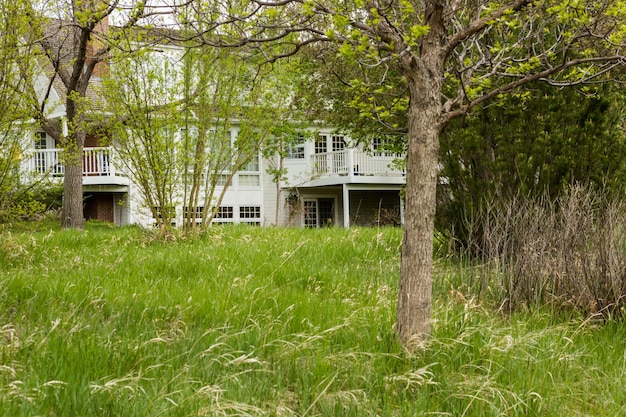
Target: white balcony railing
{"x":96,"y":162}
{"x":355,"y":162}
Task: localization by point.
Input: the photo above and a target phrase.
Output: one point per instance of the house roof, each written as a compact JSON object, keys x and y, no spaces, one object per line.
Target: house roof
{"x":59,"y":42}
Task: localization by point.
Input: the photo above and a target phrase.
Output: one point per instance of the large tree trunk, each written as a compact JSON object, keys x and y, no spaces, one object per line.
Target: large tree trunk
{"x":425,"y":81}
{"x":73,"y":216}
{"x":414,"y":296}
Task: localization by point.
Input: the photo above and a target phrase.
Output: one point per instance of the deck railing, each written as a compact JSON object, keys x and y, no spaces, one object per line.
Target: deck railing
{"x":355,"y":162}
{"x":96,"y":162}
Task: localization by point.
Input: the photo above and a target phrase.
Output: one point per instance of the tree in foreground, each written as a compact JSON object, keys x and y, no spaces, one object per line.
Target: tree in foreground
{"x":15,"y":117}
{"x":453,"y":55}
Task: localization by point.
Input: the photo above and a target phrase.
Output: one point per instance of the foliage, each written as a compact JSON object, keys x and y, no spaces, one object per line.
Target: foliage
{"x":267,"y":322}
{"x":31,"y":202}
{"x":365,"y":102}
{"x":66,"y":46}
{"x":452,"y":56}
{"x":17,"y":198}
{"x":537,"y":143}
{"x":568,"y":253}
{"x":188,"y":119}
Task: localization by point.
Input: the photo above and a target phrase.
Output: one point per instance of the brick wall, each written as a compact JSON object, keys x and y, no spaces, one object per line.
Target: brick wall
{"x":99,"y":206}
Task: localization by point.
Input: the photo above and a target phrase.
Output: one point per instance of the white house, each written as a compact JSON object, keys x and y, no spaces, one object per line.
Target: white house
{"x":329,"y":180}
{"x":328,"y":183}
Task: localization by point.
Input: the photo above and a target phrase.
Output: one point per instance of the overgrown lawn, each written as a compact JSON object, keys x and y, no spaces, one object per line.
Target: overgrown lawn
{"x":273,"y":322}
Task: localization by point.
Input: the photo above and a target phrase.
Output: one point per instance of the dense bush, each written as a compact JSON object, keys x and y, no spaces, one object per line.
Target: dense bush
{"x":22,"y":202}
{"x":536,"y":143}
{"x":568,"y":252}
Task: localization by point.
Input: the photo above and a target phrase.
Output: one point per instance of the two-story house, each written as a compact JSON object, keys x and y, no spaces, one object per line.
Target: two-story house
{"x":328,"y":183}
{"x":329,"y":180}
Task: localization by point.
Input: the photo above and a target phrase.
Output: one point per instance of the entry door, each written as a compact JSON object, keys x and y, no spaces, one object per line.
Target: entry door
{"x":319,"y":212}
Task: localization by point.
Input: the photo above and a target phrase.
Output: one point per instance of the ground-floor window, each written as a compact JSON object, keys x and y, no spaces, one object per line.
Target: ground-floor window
{"x":197,"y":212}
{"x":250,"y":214}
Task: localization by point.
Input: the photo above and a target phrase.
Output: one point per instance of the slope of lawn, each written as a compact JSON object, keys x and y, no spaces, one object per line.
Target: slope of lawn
{"x":273,"y":322}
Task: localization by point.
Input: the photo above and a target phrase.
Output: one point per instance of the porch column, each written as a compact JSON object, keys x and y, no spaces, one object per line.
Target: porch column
{"x":346,"y":206}
{"x":350,"y":163}
{"x":401,"y":211}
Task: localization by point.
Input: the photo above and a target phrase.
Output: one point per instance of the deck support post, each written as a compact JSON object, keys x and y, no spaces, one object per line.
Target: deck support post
{"x":346,"y":206}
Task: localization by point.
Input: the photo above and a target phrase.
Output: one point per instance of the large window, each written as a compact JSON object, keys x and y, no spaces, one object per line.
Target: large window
{"x":338,"y":143}
{"x":319,"y":212}
{"x":249,"y":174}
{"x":197,"y":214}
{"x":41,"y":143}
{"x":250,"y":214}
{"x":321,"y":144}
{"x":224,"y":214}
{"x":295,"y":150}
{"x":222,"y":179}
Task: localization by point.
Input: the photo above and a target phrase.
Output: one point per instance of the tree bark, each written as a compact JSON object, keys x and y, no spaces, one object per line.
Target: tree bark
{"x":425,"y":82}
{"x":414,"y":296}
{"x":73,"y":216}
{"x":73,"y":145}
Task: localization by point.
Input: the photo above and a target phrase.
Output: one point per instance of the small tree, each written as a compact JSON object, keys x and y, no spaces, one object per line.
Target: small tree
{"x":177,"y":109}
{"x":14,"y":115}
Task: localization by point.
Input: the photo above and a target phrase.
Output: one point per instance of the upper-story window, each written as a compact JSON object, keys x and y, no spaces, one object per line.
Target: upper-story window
{"x":41,"y":141}
{"x":378,"y":146}
{"x":252,"y":165}
{"x":321,"y":144}
{"x":334,"y":142}
{"x":249,"y":174}
{"x":338,"y":143}
{"x":295,"y":150}
{"x":43,"y":160}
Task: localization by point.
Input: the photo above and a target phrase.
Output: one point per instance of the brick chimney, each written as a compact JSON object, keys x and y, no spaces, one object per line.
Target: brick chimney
{"x":98,"y":40}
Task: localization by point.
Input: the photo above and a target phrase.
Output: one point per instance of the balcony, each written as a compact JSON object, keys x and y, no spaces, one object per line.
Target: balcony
{"x":99,"y":166}
{"x":356,"y":163}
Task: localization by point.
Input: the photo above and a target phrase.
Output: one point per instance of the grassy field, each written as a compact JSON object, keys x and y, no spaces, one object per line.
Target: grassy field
{"x":274,"y":322}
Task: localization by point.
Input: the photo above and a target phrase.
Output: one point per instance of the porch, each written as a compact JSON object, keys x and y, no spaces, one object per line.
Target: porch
{"x":353,"y":162}
{"x":99,"y":165}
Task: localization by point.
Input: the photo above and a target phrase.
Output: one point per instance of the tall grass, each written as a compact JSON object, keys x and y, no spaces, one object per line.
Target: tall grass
{"x":569,"y":252}
{"x":272,"y":322}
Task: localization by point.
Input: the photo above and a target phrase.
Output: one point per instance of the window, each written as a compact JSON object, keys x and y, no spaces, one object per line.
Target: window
{"x":295,"y":150}
{"x":252,"y":165}
{"x":338,"y":143}
{"x":379,"y":147}
{"x":249,"y":175}
{"x":160,"y":213}
{"x":319,"y":212}
{"x":198,"y":212}
{"x":247,"y":180}
{"x":40,"y":157}
{"x":320,"y":144}
{"x":40,"y":140}
{"x":249,"y":212}
{"x":224,"y":214}
{"x":222,"y":179}
{"x":310,"y":213}
{"x":169,"y":211}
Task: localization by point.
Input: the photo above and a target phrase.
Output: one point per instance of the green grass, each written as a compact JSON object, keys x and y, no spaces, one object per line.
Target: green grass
{"x":273,"y":322}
